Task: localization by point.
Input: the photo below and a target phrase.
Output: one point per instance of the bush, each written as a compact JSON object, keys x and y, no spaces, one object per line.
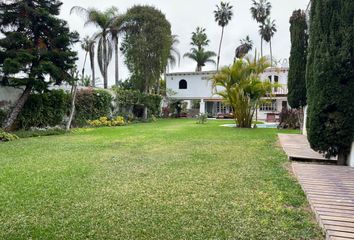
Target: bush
{"x":39,"y":132}
{"x":6,"y":137}
{"x":289,"y":118}
{"x":92,"y":104}
{"x":202,"y":118}
{"x":133,"y":102}
{"x":3,"y":115}
{"x":44,"y":109}
{"x":105,"y":122}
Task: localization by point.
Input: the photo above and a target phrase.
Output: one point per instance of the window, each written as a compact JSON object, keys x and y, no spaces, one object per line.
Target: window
{"x":269,"y":106}
{"x":276,"y":81}
{"x":270,"y":78}
{"x":183,"y":84}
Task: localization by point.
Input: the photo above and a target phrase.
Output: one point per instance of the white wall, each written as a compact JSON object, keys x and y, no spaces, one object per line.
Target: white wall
{"x":351,"y":157}
{"x":199,"y":85}
{"x":9,"y":96}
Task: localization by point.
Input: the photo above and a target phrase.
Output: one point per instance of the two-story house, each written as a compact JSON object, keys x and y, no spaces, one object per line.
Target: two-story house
{"x":189,"y":86}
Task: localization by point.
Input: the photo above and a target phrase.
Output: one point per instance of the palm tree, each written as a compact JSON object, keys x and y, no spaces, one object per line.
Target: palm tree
{"x":244,"y":48}
{"x":114,"y":31}
{"x":267,"y":31}
{"x":200,"y":38}
{"x":222,"y":15}
{"x":104,"y":21}
{"x":201,"y":57}
{"x":243,"y":88}
{"x":260,"y":12}
{"x":175,"y":56}
{"x":88,"y":45}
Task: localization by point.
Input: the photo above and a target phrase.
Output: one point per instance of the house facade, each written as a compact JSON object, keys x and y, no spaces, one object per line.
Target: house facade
{"x":192,"y":86}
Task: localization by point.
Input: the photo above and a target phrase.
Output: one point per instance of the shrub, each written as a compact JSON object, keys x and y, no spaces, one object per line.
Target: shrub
{"x":92,"y":104}
{"x":105,"y":122}
{"x":202,"y":118}
{"x":39,"y":132}
{"x":44,"y":109}
{"x":6,"y":137}
{"x":289,"y":118}
{"x":133,"y":102}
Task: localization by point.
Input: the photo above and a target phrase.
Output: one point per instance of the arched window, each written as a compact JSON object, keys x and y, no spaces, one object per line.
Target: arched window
{"x":270,"y":78}
{"x":183,"y":84}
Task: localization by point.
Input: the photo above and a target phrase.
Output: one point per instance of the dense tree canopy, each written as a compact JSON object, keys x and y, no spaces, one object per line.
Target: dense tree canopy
{"x":297,"y":61}
{"x":35,"y":49}
{"x":146,"y":45}
{"x":330,"y":77}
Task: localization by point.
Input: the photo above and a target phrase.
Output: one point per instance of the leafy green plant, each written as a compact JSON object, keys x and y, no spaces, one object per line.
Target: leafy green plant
{"x":105,"y":122}
{"x":92,"y":104}
{"x":6,"y":137}
{"x":202,"y":118}
{"x":39,"y":132}
{"x":44,"y":109}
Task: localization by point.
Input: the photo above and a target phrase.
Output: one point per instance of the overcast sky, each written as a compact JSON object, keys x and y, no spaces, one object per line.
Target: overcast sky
{"x":185,"y":16}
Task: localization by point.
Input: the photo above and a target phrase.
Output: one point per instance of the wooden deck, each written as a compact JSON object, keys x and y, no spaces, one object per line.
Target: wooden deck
{"x":297,"y":147}
{"x":330,"y":191}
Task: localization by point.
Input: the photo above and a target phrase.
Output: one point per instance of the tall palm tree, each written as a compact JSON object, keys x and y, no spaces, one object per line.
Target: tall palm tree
{"x":88,"y":45}
{"x":114,"y":31}
{"x":260,"y":12}
{"x":244,"y":48}
{"x":175,"y":56}
{"x":223,"y":14}
{"x":267,"y":30}
{"x":201,"y":57}
{"x":200,"y":38}
{"x":104,"y":21}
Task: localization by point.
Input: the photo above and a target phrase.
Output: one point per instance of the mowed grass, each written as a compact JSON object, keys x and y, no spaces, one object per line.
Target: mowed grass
{"x":172,"y":179}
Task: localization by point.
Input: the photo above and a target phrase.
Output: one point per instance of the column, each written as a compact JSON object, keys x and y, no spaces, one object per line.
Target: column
{"x":202,"y":106}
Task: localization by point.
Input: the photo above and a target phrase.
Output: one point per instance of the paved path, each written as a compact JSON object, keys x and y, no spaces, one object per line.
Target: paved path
{"x":330,"y":191}
{"x":297,"y":147}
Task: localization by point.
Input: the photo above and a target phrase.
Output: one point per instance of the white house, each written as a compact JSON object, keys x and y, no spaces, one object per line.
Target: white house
{"x":188,"y":86}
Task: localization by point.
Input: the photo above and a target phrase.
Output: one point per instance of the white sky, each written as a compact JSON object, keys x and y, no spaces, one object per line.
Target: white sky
{"x":185,"y":16}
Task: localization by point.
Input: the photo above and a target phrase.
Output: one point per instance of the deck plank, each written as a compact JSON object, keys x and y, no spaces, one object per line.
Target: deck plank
{"x":330,"y":191}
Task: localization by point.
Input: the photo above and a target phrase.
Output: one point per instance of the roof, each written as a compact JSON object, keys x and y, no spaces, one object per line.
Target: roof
{"x":191,"y":73}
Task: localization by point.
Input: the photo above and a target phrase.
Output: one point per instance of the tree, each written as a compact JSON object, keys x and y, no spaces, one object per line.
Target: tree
{"x":243,"y":88}
{"x":103,"y":20}
{"x":201,"y":57}
{"x":175,"y":56}
{"x":267,"y":31}
{"x":146,"y":46}
{"x":198,"y":52}
{"x":114,"y":31}
{"x":223,"y":14}
{"x":297,"y":61}
{"x":244,"y":48}
{"x":329,"y":78}
{"x":260,"y":12}
{"x":35,"y":44}
{"x":88,"y":45}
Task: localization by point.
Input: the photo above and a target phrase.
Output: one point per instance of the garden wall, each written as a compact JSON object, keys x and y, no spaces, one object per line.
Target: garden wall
{"x":8,"y":96}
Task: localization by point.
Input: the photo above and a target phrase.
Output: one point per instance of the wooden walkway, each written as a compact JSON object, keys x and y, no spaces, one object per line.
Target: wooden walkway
{"x":297,"y":147}
{"x":330,"y":191}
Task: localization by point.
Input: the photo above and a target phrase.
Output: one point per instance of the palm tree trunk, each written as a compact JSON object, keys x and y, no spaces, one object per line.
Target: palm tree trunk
{"x":271,"y":53}
{"x":261,"y":46}
{"x":92,"y":62}
{"x":10,"y":120}
{"x":222,"y":36}
{"x":117,"y":61}
{"x":105,"y":60}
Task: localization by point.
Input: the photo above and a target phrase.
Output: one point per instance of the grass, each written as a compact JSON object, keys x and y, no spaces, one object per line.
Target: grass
{"x":172,"y":179}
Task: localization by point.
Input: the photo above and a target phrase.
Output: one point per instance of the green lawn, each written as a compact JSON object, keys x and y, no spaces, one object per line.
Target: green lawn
{"x":172,"y":179}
